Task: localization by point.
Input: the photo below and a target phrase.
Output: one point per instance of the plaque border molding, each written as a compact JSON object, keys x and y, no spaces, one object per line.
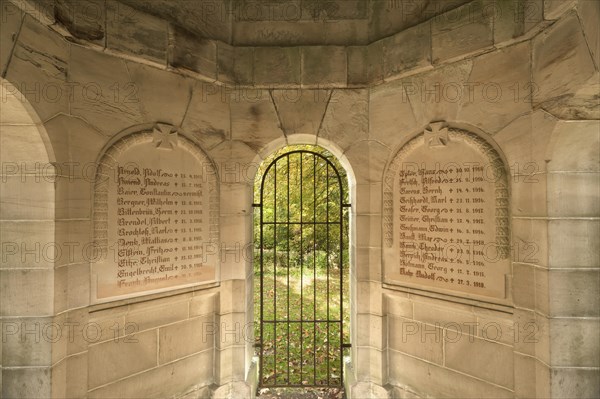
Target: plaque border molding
{"x":105,"y":171}
{"x":456,"y":134}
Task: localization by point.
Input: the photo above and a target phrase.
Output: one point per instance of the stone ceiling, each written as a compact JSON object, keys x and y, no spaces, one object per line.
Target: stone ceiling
{"x":295,"y":22}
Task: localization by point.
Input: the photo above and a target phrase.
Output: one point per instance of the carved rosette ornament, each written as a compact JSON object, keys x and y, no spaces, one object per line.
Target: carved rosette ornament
{"x":446,"y":214}
{"x":155,"y":217}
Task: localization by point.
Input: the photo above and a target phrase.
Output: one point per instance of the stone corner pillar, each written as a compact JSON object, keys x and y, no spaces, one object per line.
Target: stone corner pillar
{"x":365,"y":389}
{"x":234,"y":390}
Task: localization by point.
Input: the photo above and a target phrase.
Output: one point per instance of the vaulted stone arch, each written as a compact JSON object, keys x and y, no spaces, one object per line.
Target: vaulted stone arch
{"x":29,"y":250}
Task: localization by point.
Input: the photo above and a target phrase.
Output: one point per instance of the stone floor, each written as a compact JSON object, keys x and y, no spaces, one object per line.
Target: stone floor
{"x":301,"y":393}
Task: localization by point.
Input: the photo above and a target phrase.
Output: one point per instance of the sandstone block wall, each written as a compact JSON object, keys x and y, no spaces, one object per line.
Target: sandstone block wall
{"x":525,"y":79}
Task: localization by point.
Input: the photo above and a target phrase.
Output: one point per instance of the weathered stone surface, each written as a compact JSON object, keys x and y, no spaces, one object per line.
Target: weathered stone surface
{"x":209,"y":19}
{"x":391,"y":119}
{"x":84,"y":20}
{"x":580,"y":103}
{"x":185,"y":338}
{"x":42,"y":10}
{"x":59,"y":381}
{"x":563,"y":145}
{"x":39,"y":285}
{"x":27,"y":197}
{"x":553,"y":9}
{"x":300,"y":33}
{"x":443,"y":314}
{"x":301,"y":111}
{"x":462,"y":31}
{"x":575,"y":343}
{"x":575,"y":383}
{"x":575,"y":293}
{"x":496,"y":327}
{"x":244,"y":65}
{"x":105,"y":96}
{"x":407,"y":50}
{"x":77,"y":372}
{"x":368,"y":390}
{"x":438,"y":95}
{"x":208,"y":115}
{"x":357,"y":65}
{"x":73,"y":140}
{"x":375,"y":62}
{"x":177,"y":377}
{"x":589,"y":13}
{"x":38,"y":68}
{"x":29,"y":349}
{"x":525,"y":143}
{"x":346,"y":120}
{"x":167,"y":99}
{"x":513,"y":18}
{"x":16,"y":110}
{"x":427,"y":379}
{"x":530,"y":240}
{"x":116,"y":360}
{"x":234,"y":159}
{"x":34,"y":382}
{"x":249,"y":10}
{"x":277,"y":65}
{"x":226,"y":63}
{"x":73,"y":197}
{"x":156,"y":315}
{"x":324,"y":66}
{"x":573,"y":194}
{"x":523,"y":281}
{"x":11,"y":18}
{"x":398,"y":305}
{"x":497,"y":91}
{"x":428,"y":346}
{"x":254,"y":118}
{"x":78,"y":277}
{"x":202,"y":304}
{"x":573,"y":243}
{"x":232,"y":390}
{"x":18,"y":236}
{"x":22,"y":143}
{"x":472,"y":357}
{"x":525,"y":376}
{"x":372,"y":153}
{"x":561,"y":61}
{"x":192,"y":53}
{"x":390,"y":17}
{"x":137,"y":33}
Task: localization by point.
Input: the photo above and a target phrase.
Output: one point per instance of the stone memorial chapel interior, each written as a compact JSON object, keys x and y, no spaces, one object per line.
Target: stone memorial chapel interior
{"x":244,"y":198}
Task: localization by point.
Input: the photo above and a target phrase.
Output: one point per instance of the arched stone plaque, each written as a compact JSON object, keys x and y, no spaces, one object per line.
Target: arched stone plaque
{"x":446,"y":218}
{"x":156,"y":216}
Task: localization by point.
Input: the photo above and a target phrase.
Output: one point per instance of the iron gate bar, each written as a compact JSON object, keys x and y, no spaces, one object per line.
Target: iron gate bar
{"x":288,"y":223}
{"x":315,"y":269}
{"x":288,"y":267}
{"x":327,"y":213}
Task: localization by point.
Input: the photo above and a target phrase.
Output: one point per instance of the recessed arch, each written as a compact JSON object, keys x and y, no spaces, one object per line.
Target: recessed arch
{"x":27,"y":216}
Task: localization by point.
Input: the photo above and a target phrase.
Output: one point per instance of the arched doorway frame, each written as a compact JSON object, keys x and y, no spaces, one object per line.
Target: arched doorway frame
{"x":338,"y":153}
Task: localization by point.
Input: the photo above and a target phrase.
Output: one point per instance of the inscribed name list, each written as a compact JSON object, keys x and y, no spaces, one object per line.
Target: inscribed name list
{"x":158,"y":204}
{"x":450,"y":220}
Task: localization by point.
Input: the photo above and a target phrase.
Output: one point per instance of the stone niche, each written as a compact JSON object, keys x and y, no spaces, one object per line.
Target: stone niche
{"x":446,"y":216}
{"x":156,"y":216}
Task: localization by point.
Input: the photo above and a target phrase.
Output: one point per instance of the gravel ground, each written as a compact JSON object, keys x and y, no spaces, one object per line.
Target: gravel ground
{"x":301,"y":393}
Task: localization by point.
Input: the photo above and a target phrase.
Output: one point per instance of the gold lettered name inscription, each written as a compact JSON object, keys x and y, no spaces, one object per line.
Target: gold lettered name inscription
{"x":446,"y":215}
{"x":155,"y":216}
